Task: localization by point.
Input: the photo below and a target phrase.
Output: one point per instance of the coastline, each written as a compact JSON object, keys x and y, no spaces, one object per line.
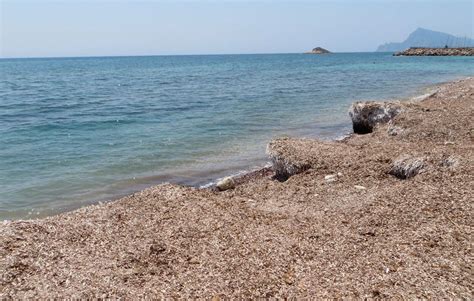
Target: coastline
{"x":247,"y":175}
{"x":67,"y":172}
{"x":315,"y":234}
{"x":202,"y":177}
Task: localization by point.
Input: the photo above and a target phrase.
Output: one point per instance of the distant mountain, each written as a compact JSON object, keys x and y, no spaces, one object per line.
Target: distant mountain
{"x":427,"y":38}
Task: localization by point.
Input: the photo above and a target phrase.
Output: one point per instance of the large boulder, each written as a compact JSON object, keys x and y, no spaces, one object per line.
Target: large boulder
{"x":285,"y":161}
{"x":366,"y":115}
{"x":226,"y":184}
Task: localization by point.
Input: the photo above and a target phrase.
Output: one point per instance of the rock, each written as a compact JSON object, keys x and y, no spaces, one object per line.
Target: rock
{"x":291,"y":156}
{"x":406,"y":167}
{"x":283,"y":165}
{"x":366,"y":115}
{"x":318,"y":50}
{"x":330,"y":178}
{"x":226,"y":184}
{"x":359,"y":187}
{"x":285,"y":169}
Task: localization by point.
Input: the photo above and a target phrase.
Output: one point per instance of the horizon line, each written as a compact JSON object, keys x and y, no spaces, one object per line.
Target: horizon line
{"x":151,"y":55}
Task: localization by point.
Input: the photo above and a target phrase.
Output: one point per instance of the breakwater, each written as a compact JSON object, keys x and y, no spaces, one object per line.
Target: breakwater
{"x":425,"y":51}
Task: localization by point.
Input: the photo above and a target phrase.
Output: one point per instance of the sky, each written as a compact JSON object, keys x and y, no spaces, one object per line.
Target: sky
{"x":57,"y":28}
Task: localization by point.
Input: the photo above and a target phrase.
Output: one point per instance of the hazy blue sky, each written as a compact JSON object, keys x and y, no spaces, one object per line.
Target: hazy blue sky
{"x":118,"y":27}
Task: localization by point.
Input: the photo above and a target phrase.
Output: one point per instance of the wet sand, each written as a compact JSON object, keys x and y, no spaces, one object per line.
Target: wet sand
{"x":341,"y":225}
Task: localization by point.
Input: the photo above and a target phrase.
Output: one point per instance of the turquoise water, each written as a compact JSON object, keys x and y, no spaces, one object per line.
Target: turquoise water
{"x":77,"y":130}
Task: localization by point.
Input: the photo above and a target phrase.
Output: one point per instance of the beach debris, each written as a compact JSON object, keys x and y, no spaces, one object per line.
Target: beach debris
{"x":407,"y":167}
{"x":366,"y":115}
{"x":193,"y":260}
{"x":450,"y":161}
{"x":422,"y":97}
{"x":360,"y":187}
{"x":367,"y":232}
{"x":226,"y":184}
{"x":216,"y":298}
{"x":394,"y":130}
{"x":289,"y":277}
{"x":157,"y":248}
{"x":333,"y":177}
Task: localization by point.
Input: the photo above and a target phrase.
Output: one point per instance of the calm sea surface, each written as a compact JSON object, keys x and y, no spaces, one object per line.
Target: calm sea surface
{"x":78,"y":130}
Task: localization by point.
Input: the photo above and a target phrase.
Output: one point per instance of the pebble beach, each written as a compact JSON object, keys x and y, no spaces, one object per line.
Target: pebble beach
{"x":384,"y":214}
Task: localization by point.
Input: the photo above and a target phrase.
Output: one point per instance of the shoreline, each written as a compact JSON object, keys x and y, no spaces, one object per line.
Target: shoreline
{"x":255,"y":173}
{"x":387,"y":214}
{"x":213,"y":175}
{"x":68,"y":172}
{"x":201,"y":179}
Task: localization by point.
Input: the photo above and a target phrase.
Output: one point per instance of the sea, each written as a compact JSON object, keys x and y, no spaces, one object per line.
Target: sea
{"x":77,"y":131}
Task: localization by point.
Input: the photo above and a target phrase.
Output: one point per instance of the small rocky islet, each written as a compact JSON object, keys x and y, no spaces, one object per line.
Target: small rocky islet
{"x":318,"y":50}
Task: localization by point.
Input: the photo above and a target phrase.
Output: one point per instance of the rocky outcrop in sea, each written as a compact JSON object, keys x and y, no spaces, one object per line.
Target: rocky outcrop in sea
{"x":318,"y":50}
